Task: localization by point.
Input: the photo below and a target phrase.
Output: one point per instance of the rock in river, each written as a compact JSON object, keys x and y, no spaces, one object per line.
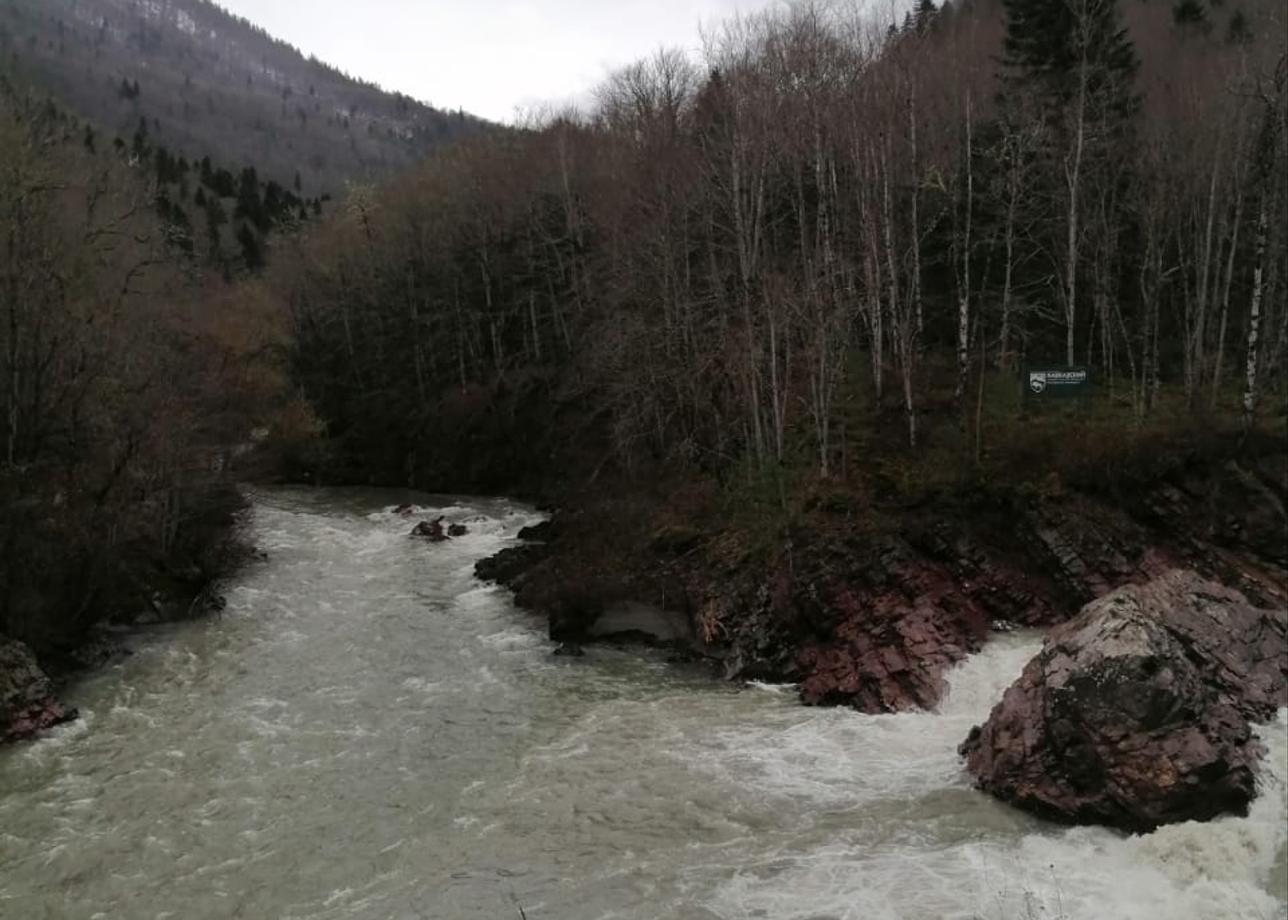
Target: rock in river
{"x":431,"y":530}
{"x":27,"y":704}
{"x":1136,"y":712}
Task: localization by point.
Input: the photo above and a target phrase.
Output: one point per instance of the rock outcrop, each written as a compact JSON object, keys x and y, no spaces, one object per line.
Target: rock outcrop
{"x":870,"y":606}
{"x":430,"y":530}
{"x":27,"y":703}
{"x":880,"y":622}
{"x":1136,"y":712}
{"x":436,"y":532}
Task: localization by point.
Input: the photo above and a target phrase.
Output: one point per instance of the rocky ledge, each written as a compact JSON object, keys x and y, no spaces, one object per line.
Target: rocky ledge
{"x":27,"y":702}
{"x":1136,"y":713}
{"x":870,"y":607}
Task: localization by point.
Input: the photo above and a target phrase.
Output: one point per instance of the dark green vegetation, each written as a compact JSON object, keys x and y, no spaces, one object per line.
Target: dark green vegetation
{"x":206,"y":83}
{"x":824,"y":253}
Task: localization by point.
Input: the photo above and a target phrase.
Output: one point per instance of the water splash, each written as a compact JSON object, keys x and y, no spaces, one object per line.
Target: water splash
{"x":368,"y":732}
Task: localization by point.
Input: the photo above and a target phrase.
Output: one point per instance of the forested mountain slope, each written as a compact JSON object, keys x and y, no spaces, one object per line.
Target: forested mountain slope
{"x":207,"y":83}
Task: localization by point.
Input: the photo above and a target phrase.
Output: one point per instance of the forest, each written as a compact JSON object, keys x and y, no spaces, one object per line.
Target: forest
{"x":825,"y":250}
{"x":817,"y":256}
{"x":138,"y":366}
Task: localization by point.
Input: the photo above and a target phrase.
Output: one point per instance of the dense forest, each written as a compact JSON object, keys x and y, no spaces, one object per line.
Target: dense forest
{"x":825,"y":249}
{"x":134,"y":374}
{"x":821,"y":253}
{"x":143,"y":365}
{"x":207,"y":83}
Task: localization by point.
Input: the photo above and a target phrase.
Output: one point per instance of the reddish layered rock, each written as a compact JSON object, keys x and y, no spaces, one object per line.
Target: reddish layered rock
{"x":1136,"y":712}
{"x":875,"y":621}
{"x":888,"y":625}
{"x":870,"y":608}
{"x":27,"y":703}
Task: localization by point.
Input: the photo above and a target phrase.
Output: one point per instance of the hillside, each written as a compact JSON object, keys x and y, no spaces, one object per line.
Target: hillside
{"x":210,"y":83}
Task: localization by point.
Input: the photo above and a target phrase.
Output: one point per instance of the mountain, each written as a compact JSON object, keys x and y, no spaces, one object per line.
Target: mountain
{"x":207,"y":83}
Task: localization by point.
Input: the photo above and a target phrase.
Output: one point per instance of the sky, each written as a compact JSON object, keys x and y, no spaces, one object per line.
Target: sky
{"x":492,"y":58}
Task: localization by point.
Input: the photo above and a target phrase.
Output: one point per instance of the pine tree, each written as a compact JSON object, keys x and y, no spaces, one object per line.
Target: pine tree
{"x":252,"y":249}
{"x":249,"y":203}
{"x":1072,"y":66}
{"x":925,"y":15}
{"x":139,"y":146}
{"x":1238,"y":32}
{"x":1049,"y":42}
{"x":1192,"y":15}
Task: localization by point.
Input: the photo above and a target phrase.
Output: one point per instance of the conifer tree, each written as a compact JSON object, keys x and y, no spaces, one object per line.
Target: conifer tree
{"x":1191,"y":15}
{"x":1073,"y":64}
{"x":925,"y":15}
{"x":1050,"y":43}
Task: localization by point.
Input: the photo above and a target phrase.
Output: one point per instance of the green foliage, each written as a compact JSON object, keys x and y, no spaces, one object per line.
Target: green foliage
{"x":1238,"y":31}
{"x":1191,"y":14}
{"x":1049,"y":44}
{"x":251,"y":248}
{"x":925,"y":14}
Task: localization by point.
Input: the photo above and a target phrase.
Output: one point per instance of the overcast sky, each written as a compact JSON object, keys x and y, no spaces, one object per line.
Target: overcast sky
{"x":488,"y":57}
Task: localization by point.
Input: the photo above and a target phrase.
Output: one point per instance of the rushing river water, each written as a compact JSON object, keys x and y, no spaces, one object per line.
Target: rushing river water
{"x":368,"y":732}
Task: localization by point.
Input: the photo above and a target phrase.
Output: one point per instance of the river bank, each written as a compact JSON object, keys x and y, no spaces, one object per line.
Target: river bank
{"x":869,"y":606}
{"x":33,"y":683}
{"x":74,"y":585}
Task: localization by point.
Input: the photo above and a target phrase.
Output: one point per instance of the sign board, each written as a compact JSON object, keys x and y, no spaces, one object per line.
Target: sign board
{"x":1056,"y":382}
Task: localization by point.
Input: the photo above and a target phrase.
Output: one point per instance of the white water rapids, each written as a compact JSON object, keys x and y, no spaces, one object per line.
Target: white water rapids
{"x":368,"y":732}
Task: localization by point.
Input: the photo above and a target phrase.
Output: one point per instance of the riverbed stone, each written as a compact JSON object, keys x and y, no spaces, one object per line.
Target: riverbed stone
{"x":1137,"y":712}
{"x":27,"y":702}
{"x":433,"y":531}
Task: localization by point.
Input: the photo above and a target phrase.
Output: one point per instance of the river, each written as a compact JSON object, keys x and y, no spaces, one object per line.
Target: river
{"x":368,"y":732}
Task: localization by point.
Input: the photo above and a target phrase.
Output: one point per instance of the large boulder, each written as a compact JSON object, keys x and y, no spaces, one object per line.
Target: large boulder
{"x":27,"y":703}
{"x":1136,"y":712}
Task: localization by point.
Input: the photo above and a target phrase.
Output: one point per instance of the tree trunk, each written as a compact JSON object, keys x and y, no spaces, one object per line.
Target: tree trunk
{"x":1073,"y":181}
{"x":963,"y":292}
{"x":1254,"y":316}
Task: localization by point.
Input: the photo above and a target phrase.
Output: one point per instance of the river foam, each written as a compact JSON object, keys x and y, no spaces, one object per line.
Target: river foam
{"x":946,"y":851}
{"x":369,"y":733}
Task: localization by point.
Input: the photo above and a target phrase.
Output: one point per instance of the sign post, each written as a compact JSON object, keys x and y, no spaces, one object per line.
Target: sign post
{"x":1044,"y":383}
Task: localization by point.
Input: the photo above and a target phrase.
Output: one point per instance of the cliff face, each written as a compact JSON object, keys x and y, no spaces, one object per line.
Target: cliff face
{"x":870,"y":609}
